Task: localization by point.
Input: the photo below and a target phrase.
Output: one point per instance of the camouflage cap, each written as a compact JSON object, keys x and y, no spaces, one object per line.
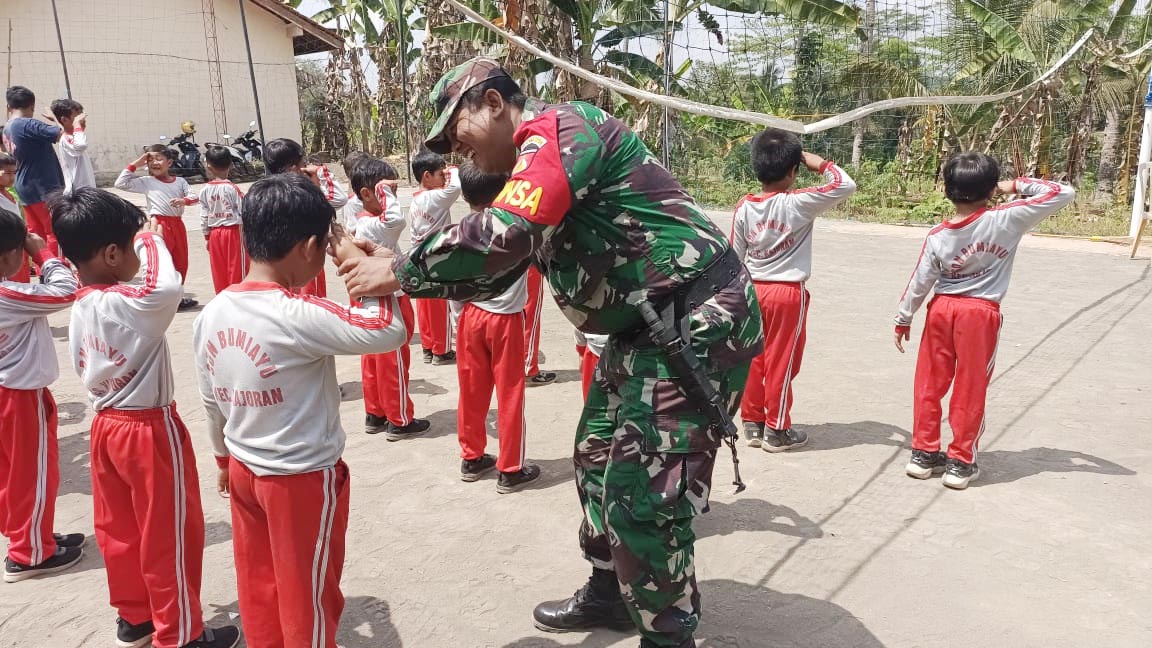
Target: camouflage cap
{"x":449,"y":89}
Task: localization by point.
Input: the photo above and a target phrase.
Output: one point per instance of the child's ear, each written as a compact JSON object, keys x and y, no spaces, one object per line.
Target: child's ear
{"x":366,"y":193}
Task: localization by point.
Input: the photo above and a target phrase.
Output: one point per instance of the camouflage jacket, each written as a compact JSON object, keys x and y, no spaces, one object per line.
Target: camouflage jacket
{"x":607,"y":225}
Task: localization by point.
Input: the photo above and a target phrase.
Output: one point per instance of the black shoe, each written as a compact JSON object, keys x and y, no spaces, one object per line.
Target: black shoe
{"x":401,"y":432}
{"x":753,"y":433}
{"x":596,"y":605}
{"x":69,"y":539}
{"x":64,"y":558}
{"x":428,"y":356}
{"x":447,"y":358}
{"x":924,"y":463}
{"x":542,"y":378}
{"x":781,"y":440}
{"x":375,"y":424}
{"x":472,"y":469}
{"x":509,"y":482}
{"x":958,"y":474}
{"x":186,"y":304}
{"x":222,"y":637}
{"x":133,"y":636}
{"x":647,"y":643}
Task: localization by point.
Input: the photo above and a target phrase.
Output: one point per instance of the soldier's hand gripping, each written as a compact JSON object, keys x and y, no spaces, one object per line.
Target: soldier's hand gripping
{"x":370,"y":275}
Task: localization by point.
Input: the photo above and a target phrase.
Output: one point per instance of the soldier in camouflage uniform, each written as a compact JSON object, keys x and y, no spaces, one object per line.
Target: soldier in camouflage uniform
{"x":608,"y":226}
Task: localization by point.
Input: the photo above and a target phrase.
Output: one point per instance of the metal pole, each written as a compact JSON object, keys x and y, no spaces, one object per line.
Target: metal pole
{"x":60,"y":42}
{"x":1142,"y":163}
{"x":252,"y":74}
{"x":9,"y":84}
{"x":404,"y":88}
{"x":667,"y":137}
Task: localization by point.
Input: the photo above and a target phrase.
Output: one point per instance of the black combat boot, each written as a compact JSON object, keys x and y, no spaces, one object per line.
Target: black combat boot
{"x":648,"y":643}
{"x":596,"y":605}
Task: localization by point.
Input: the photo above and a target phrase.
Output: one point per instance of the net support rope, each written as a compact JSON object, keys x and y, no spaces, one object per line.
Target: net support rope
{"x":763,"y":119}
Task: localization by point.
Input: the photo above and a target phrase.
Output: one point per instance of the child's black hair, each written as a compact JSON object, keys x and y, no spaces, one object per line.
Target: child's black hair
{"x":162,"y":148}
{"x":13,"y":231}
{"x":20,"y":98}
{"x":505,"y":85}
{"x":282,"y":210}
{"x":367,"y":172}
{"x":218,"y":157}
{"x":91,"y":219}
{"x":775,"y":153}
{"x":427,"y":162}
{"x":970,"y":177}
{"x":62,"y":108}
{"x":7,"y":160}
{"x":351,"y":160}
{"x":282,"y":153}
{"x":479,"y":188}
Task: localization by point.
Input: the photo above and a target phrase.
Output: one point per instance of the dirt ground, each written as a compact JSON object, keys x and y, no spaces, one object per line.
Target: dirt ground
{"x":831,"y":546}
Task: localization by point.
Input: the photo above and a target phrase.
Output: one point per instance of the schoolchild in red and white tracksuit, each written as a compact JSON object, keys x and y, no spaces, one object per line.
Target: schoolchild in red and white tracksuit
{"x":337,"y":197}
{"x":158,"y":195}
{"x":772,"y":233}
{"x":145,"y":486}
{"x":589,"y":346}
{"x":385,"y":375}
{"x":490,"y":354}
{"x":29,"y":464}
{"x":220,"y":209}
{"x":267,"y":366}
{"x":430,"y":212}
{"x":968,"y":265}
{"x":8,"y":203}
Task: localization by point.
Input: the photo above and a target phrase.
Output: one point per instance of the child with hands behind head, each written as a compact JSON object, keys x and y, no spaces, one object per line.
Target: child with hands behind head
{"x":145,"y":489}
{"x":967,"y":262}
{"x":266,"y":362}
{"x":220,"y":220}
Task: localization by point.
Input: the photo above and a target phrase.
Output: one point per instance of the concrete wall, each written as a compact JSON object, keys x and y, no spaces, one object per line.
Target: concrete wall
{"x":140,"y":69}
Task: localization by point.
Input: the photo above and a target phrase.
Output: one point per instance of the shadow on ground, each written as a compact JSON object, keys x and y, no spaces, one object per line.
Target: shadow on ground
{"x":1004,"y":466}
{"x":365,"y":623}
{"x":738,"y":615}
{"x":75,"y":461}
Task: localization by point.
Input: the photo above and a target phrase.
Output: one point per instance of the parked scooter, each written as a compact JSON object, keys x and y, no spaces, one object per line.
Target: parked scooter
{"x":242,"y":169}
{"x":187,"y":161}
{"x":251,"y":145}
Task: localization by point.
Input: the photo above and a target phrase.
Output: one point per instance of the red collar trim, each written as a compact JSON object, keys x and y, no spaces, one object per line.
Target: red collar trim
{"x":762,"y":196}
{"x":968,"y":220}
{"x":255,"y":286}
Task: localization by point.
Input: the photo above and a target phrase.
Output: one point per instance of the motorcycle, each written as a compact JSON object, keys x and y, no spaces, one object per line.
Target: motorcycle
{"x":251,"y":145}
{"x":242,"y":167}
{"x":187,"y":161}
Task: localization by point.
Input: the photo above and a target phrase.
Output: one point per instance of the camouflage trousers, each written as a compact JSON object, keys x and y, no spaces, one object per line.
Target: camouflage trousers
{"x":644,"y":460}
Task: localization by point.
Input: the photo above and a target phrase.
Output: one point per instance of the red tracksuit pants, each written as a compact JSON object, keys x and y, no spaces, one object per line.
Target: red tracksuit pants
{"x":29,"y":473}
{"x":385,"y":377}
{"x":226,"y":256}
{"x":532,"y":310}
{"x":490,"y":353}
{"x":958,"y":349}
{"x":288,"y":538}
{"x":768,"y":392}
{"x":175,"y":237}
{"x":434,"y":320}
{"x":39,"y":222}
{"x":149,"y":521}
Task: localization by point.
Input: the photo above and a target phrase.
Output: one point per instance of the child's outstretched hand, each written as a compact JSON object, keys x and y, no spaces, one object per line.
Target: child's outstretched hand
{"x":901,"y":336}
{"x":33,"y":244}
